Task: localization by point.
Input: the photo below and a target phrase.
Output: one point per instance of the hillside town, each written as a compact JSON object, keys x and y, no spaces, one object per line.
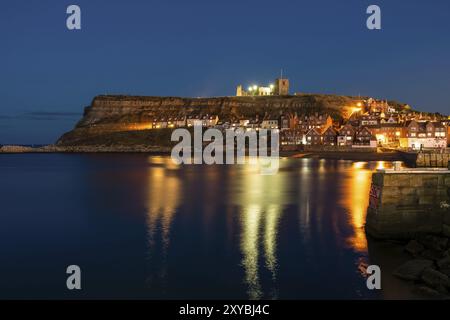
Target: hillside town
{"x":371,"y":123}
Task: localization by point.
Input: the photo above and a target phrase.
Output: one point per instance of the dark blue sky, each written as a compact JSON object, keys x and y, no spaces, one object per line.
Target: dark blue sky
{"x":205,"y":48}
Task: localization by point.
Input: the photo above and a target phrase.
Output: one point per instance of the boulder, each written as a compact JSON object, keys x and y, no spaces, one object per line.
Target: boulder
{"x":433,"y":242}
{"x":413,"y":269}
{"x":428,"y":292}
{"x":435,"y":279}
{"x":430,"y":254}
{"x":445,"y":271}
{"x":444,"y":263}
{"x":446,"y":230}
{"x":414,"y":247}
{"x":442,"y":289}
{"x":447,"y":253}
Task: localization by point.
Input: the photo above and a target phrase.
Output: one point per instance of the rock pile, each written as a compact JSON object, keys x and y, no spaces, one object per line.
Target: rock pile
{"x":15,"y":149}
{"x":430,"y":266}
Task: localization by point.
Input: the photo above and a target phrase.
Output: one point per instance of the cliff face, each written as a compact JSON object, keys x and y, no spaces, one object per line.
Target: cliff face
{"x":127,"y":109}
{"x":108,"y":118}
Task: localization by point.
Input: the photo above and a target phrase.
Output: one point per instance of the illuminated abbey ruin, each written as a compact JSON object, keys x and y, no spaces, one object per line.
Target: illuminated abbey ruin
{"x":279,"y":88}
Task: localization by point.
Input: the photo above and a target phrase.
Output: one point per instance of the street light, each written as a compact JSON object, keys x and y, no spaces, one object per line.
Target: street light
{"x":353,"y":110}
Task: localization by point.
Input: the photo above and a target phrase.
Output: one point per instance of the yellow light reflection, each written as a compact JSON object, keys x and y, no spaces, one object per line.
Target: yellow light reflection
{"x":262,"y":198}
{"x":356,"y":201}
{"x":270,"y":238}
{"x":163,"y":200}
{"x":250,"y":249}
{"x":359,"y":165}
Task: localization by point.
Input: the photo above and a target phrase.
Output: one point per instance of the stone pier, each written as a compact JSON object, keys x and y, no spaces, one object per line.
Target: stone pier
{"x":407,"y":202}
{"x":437,"y":158}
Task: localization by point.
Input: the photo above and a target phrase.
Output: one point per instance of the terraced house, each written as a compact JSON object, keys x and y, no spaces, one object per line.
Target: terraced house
{"x":346,"y":135}
{"x":314,"y":137}
{"x":365,"y":138}
{"x":427,"y":134}
{"x":329,"y":136}
{"x":319,"y":121}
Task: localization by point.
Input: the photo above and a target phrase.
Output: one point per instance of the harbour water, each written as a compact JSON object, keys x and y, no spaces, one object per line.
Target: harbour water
{"x":140,"y":226}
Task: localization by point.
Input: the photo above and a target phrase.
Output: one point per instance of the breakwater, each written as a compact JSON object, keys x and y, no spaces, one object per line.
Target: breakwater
{"x":406,"y":203}
{"x":437,"y":158}
{"x":426,"y":158}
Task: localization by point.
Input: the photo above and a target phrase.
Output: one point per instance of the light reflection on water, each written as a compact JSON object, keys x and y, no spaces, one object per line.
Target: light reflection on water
{"x":261,"y":200}
{"x":357,"y":187}
{"x":146,"y":228}
{"x":163,"y":201}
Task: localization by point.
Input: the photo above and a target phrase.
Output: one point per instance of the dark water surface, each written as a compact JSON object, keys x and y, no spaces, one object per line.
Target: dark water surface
{"x":141,"y":227}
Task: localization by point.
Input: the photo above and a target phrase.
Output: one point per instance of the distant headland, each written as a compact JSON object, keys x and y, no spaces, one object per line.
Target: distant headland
{"x":146,"y":118}
{"x":307,"y":122}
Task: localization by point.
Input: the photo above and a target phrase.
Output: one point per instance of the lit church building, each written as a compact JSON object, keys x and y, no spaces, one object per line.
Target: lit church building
{"x":279,"y":88}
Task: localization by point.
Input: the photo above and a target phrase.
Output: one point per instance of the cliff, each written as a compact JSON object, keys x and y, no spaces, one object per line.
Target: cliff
{"x":122,"y":119}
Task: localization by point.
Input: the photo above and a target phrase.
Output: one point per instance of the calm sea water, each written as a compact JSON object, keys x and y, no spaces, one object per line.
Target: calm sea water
{"x":141,"y":227}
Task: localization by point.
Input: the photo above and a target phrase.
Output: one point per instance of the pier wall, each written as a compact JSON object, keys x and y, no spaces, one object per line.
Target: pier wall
{"x":433,"y":159}
{"x":325,"y":148}
{"x":406,"y":203}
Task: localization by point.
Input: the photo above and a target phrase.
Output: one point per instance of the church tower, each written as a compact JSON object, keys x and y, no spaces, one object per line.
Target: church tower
{"x":281,"y":87}
{"x":239,"y":91}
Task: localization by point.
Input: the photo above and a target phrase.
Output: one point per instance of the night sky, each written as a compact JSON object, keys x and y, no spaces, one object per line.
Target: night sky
{"x":205,"y":48}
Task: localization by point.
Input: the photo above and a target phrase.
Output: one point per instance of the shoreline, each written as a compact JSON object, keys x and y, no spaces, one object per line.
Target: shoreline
{"x":9,"y":149}
{"x":345,"y":155}
{"x":329,"y":155}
